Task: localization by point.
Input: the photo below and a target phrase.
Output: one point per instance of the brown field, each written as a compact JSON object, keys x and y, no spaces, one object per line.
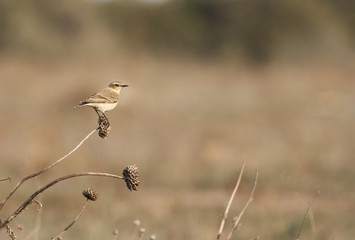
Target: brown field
{"x":188,"y":123}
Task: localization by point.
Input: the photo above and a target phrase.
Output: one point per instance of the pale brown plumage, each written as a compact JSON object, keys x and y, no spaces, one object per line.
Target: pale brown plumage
{"x":106,"y":99}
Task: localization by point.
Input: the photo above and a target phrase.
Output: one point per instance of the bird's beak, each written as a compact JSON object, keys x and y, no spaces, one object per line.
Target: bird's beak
{"x":124,"y":85}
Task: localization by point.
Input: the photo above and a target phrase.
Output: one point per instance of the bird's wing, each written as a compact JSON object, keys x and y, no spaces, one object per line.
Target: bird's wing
{"x":103,"y":96}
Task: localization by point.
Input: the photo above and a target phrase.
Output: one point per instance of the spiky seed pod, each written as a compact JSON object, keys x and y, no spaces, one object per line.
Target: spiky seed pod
{"x":90,"y":194}
{"x":131,"y":177}
{"x":103,"y":127}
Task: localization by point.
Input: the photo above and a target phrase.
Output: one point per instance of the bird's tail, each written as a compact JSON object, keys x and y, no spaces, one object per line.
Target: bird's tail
{"x":81,"y":104}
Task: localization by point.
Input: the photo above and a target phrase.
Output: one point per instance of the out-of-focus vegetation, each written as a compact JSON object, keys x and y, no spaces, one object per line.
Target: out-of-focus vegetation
{"x":256,"y":30}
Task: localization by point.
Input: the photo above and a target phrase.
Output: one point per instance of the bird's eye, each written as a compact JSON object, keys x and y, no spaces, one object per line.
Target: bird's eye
{"x":117,"y":85}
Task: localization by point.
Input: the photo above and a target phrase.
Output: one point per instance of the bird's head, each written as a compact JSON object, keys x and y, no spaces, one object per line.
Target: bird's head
{"x":117,"y":86}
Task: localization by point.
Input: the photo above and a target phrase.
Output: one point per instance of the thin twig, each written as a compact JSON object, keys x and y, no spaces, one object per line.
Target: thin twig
{"x":72,"y":223}
{"x":10,"y":232}
{"x":236,"y":222}
{"x":305,"y":215}
{"x":39,"y":207}
{"x":44,"y":170}
{"x":30,"y":199}
{"x":312,"y":222}
{"x":230,"y":202}
{"x":33,"y":234}
{"x":4,"y":179}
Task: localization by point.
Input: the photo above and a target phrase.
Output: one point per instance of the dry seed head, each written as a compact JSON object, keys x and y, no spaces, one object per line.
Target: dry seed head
{"x":131,"y":177}
{"x":90,"y":194}
{"x":152,"y":237}
{"x":103,"y":127}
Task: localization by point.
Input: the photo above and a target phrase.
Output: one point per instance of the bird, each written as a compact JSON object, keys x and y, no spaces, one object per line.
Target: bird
{"x":104,"y":100}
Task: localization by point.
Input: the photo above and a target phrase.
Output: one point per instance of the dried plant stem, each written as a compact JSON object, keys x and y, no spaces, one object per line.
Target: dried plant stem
{"x":34,"y":233}
{"x":236,"y":222}
{"x":10,"y":232}
{"x":30,"y":199}
{"x":230,"y":202}
{"x":44,"y":170}
{"x":305,"y":215}
{"x":4,"y":179}
{"x":72,"y":223}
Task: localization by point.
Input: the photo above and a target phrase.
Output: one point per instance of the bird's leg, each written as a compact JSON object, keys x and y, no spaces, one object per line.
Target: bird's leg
{"x":98,"y":112}
{"x":102,"y":118}
{"x":108,"y":123}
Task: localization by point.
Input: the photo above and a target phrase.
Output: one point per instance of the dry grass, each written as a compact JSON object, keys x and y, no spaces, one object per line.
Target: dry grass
{"x":188,"y":125}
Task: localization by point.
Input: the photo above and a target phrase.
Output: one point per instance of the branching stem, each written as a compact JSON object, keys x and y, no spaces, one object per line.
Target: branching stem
{"x":72,"y":223}
{"x":236,"y":222}
{"x":225,"y":216}
{"x":43,"y":170}
{"x":30,"y":199}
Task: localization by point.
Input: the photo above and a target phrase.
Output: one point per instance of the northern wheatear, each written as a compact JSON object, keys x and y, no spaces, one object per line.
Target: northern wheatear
{"x":104,"y":100}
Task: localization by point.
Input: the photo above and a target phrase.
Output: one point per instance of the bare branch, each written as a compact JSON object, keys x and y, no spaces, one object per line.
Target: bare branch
{"x":72,"y":223}
{"x":236,"y":222}
{"x":305,"y":215}
{"x":44,"y":170}
{"x":4,"y":179}
{"x":225,"y":216}
{"x":30,"y":199}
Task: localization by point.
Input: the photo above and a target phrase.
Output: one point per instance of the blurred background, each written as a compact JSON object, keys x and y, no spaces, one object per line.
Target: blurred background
{"x":212,"y":83}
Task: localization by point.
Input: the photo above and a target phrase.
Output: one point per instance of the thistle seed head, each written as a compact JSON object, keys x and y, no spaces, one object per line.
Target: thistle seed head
{"x":103,"y":127}
{"x":90,"y":194}
{"x":131,"y":177}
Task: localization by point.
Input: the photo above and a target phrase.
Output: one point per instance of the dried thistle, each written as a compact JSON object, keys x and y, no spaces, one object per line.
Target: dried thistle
{"x":104,"y":126}
{"x":131,"y":177}
{"x":90,"y":194}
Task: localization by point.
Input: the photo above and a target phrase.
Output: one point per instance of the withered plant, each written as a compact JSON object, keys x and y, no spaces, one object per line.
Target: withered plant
{"x":130,"y":175}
